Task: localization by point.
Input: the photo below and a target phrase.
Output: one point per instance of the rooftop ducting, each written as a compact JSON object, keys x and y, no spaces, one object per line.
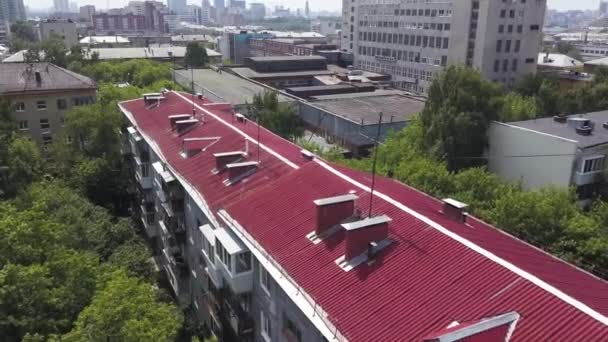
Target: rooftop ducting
{"x":364,"y":238}
{"x":240,"y":117}
{"x":225,"y":158}
{"x":455,"y":210}
{"x":192,"y":146}
{"x":38,"y":77}
{"x":605,"y":125}
{"x":153,"y":98}
{"x":332,"y":211}
{"x":239,"y":171}
{"x":307,"y":154}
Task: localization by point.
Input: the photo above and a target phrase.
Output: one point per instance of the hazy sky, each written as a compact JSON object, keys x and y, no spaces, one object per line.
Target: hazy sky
{"x":334,"y":5}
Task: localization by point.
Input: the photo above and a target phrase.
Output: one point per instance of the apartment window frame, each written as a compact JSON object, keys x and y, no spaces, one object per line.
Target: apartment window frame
{"x":41,"y":105}
{"x":23,"y":125}
{"x":593,"y":164}
{"x":265,"y":280}
{"x":62,"y":104}
{"x":19,"y":107}
{"x":265,"y":326}
{"x":45,"y":124}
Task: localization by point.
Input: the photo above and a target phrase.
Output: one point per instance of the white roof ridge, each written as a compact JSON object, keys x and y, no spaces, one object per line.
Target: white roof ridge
{"x":471,"y":245}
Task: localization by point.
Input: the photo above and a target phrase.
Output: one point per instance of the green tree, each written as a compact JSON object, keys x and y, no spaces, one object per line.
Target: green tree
{"x":135,"y":258}
{"x":54,"y":51}
{"x":126,"y":309}
{"x":460,"y":106}
{"x":24,"y":163}
{"x":24,"y":31}
{"x":516,"y":107}
{"x":281,"y":118}
{"x":196,"y":55}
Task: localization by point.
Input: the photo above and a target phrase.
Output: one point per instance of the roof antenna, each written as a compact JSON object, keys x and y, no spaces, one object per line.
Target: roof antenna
{"x":371,"y":193}
{"x":258,"y":121}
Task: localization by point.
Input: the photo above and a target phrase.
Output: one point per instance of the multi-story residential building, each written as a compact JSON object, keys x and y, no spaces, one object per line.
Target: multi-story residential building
{"x":414,"y":40}
{"x":12,"y":10}
{"x":64,"y":29}
{"x":257,"y":11}
{"x":562,"y":151}
{"x":129,"y":19}
{"x":269,"y":243}
{"x":41,"y":94}
{"x":5,"y":32}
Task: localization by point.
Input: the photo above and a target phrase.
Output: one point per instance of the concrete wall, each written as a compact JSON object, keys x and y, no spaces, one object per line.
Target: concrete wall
{"x":534,"y":158}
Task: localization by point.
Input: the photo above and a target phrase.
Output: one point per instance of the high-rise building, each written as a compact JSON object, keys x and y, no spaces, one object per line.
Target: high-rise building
{"x":257,"y":11}
{"x":220,"y":9}
{"x":205,"y":12}
{"x":177,"y":6}
{"x":307,"y":10}
{"x":413,"y":41}
{"x":603,"y":7}
{"x":62,"y":6}
{"x":12,"y":10}
{"x":87,"y":12}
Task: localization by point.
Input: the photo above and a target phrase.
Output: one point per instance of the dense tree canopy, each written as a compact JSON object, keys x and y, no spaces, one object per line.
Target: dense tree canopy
{"x":196,"y":55}
{"x":281,"y":118}
{"x":460,"y":106}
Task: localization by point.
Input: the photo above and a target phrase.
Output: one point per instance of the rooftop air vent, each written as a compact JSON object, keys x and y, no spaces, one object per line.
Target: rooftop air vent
{"x":307,"y":154}
{"x":584,"y":130}
{"x":239,"y":171}
{"x":177,"y":117}
{"x":330,"y":212}
{"x":455,"y":210}
{"x":240,"y":117}
{"x":153,"y":98}
{"x":578,"y":122}
{"x":605,"y":125}
{"x":225,"y":158}
{"x":183,"y":126}
{"x":561,"y":118}
{"x":192,"y":146}
{"x":364,"y":239}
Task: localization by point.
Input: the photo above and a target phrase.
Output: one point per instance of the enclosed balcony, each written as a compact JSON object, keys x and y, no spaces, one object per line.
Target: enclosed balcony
{"x":148,"y":218}
{"x":142,"y":170}
{"x":233,"y":259}
{"x":176,"y":269}
{"x":166,"y":187}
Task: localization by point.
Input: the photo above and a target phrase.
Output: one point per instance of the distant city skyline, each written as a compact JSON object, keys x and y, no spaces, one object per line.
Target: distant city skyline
{"x":315,"y":5}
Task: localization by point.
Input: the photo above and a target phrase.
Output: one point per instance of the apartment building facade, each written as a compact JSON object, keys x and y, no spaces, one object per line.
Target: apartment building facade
{"x":414,"y":40}
{"x":266,"y":242}
{"x":41,"y":94}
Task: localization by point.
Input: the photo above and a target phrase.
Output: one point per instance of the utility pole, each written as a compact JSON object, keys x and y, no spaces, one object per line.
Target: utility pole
{"x":371,"y":193}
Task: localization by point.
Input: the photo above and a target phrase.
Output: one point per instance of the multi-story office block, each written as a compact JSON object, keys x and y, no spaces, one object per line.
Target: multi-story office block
{"x":12,"y":10}
{"x":414,"y":40}
{"x":268,"y":243}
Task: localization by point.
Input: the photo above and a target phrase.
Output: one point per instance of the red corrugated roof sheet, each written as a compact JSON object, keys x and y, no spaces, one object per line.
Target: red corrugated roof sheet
{"x":426,"y":279}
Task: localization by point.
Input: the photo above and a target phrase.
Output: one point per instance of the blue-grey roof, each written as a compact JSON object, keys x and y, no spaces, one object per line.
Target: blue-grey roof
{"x":599,"y":135}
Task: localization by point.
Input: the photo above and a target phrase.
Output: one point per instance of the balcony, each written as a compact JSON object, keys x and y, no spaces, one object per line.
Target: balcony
{"x":148,"y":218}
{"x":232,"y":310}
{"x":142,"y":171}
{"x":176,"y":269}
{"x":233,"y":260}
{"x":584,"y":178}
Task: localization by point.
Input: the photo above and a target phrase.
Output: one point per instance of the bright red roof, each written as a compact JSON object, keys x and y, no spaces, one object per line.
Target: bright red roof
{"x":435,"y":272}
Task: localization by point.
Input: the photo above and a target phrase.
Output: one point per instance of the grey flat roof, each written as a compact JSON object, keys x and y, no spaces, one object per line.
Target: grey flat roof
{"x":230,"y":88}
{"x":599,"y":135}
{"x":365,"y":109}
{"x":20,"y":77}
{"x":287,"y":58}
{"x":250,"y":73}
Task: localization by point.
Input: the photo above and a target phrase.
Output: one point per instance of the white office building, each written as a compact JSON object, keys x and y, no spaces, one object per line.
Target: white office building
{"x":412,"y":40}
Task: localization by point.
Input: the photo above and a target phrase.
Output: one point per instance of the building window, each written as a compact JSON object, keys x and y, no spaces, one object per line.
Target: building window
{"x":44,"y":124}
{"x":266,"y":326}
{"x":41,"y":105}
{"x":291,"y":330}
{"x":47,"y":140}
{"x":243,"y":262}
{"x":224,"y":256}
{"x":593,"y":164}
{"x":264,"y":280}
{"x":23,"y":125}
{"x":62,"y":104}
{"x":20,"y":107}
